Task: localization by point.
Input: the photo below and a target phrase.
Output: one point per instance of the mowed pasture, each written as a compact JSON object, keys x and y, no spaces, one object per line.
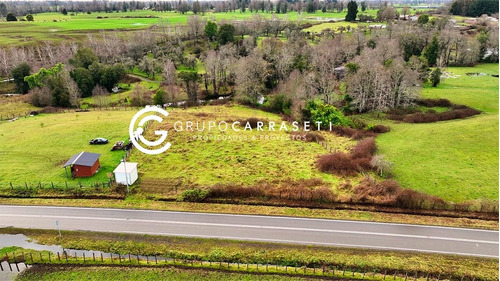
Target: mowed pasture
{"x":456,"y":160}
{"x":33,"y":149}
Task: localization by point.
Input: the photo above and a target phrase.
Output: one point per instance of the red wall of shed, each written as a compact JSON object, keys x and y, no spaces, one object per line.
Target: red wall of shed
{"x":84,"y":171}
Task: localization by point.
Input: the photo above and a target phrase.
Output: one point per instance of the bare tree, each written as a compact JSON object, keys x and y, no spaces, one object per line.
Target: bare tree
{"x":150,"y":66}
{"x":250,"y":77}
{"x":376,"y":86}
{"x":75,"y":94}
{"x":169,"y":72}
{"x":492,"y":44}
{"x":4,"y":62}
{"x":140,"y":96}
{"x":41,"y":96}
{"x":196,"y":25}
{"x":101,"y":96}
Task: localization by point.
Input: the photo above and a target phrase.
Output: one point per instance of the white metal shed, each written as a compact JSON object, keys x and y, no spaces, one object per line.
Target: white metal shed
{"x":126,"y":172}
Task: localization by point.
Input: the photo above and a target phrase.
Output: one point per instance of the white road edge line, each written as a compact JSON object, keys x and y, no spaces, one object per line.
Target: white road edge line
{"x":254,"y":226}
{"x":254,"y":216}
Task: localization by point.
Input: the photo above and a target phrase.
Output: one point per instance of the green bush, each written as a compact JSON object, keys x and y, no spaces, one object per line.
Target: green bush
{"x":158,"y":97}
{"x":194,"y":195}
{"x":318,"y":111}
{"x":435,"y":77}
{"x":278,"y":104}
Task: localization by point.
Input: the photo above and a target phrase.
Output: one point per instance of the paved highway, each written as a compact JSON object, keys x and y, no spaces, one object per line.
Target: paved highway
{"x":370,"y":235}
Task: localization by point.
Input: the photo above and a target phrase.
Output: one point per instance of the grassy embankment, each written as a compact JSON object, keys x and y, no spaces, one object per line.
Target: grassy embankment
{"x":421,"y":264}
{"x":105,"y":273}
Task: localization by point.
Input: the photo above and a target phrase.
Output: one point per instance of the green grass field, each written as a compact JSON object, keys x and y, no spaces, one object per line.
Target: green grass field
{"x":456,"y":160}
{"x":57,"y":27}
{"x":334,"y":26}
{"x":245,"y":162}
{"x":35,"y":148}
{"x":14,"y":106}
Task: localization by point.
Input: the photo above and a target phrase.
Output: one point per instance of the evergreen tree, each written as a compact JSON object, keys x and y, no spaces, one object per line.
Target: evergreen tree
{"x":211,"y":30}
{"x":11,"y":17}
{"x":431,"y":51}
{"x":436,"y":77}
{"x":18,"y":73}
{"x":352,"y":11}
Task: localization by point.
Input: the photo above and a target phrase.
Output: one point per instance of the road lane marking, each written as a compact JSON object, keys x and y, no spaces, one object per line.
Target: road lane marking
{"x":255,"y":216}
{"x":252,"y":226}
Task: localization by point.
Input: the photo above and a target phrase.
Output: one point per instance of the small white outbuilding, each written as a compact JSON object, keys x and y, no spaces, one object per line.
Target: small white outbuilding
{"x":126,"y":173}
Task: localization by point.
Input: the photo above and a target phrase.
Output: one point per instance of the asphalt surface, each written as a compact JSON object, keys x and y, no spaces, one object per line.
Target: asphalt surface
{"x":370,"y":235}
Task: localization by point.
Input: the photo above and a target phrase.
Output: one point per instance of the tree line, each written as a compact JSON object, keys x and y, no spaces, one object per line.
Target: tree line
{"x":364,"y":70}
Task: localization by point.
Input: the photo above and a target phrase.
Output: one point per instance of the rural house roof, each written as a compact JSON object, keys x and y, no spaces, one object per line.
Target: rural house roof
{"x":83,"y":159}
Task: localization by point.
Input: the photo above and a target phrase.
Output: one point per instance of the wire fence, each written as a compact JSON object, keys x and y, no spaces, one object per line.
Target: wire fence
{"x":61,"y":186}
{"x":15,"y":116}
{"x":25,"y":259}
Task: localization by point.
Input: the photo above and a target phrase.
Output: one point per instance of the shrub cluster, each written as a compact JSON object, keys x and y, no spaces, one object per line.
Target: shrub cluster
{"x":308,"y":136}
{"x":347,"y":164}
{"x":413,"y":115}
{"x":459,"y":112}
{"x":389,"y":192}
{"x":435,"y":103}
{"x":295,"y":190}
{"x":194,"y":195}
{"x":352,"y":133}
{"x":277,"y":104}
{"x":380,"y":129}
{"x":318,"y":111}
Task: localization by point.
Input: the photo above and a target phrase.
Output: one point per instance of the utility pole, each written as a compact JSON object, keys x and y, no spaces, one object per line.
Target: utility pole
{"x":125,"y":169}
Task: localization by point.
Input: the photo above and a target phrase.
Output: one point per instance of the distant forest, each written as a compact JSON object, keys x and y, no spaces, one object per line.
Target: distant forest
{"x":474,"y":8}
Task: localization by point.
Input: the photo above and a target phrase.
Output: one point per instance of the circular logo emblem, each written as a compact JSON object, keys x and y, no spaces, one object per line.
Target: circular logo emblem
{"x":136,"y":134}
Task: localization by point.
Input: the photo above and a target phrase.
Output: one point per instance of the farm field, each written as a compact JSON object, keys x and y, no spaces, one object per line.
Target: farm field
{"x":37,"y":147}
{"x":58,"y":27}
{"x":245,"y":158}
{"x":459,"y":157}
{"x":34,"y":149}
{"x":456,"y":160}
{"x":334,"y":26}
